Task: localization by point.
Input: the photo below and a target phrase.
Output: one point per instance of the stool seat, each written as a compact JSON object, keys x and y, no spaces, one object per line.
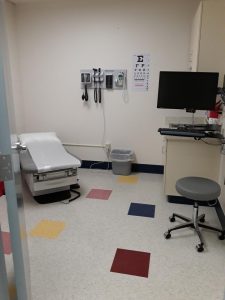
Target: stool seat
{"x":198,"y":188}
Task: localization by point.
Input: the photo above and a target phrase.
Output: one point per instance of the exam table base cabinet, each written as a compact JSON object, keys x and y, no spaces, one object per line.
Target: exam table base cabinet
{"x":51,"y":182}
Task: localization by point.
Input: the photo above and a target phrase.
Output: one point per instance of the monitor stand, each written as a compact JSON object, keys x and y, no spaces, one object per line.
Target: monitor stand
{"x":200,"y":127}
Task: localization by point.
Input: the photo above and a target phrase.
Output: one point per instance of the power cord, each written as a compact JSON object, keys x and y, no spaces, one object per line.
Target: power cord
{"x":103,"y":141}
{"x":67,"y":201}
{"x":100,"y":162}
{"x":213,"y":144}
{"x":125,"y":94}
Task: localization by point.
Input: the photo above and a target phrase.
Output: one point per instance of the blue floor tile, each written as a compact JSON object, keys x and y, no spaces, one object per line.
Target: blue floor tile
{"x":142,"y":210}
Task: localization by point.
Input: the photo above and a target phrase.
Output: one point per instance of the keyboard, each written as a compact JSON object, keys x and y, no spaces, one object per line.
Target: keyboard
{"x":200,"y":127}
{"x":183,"y":132}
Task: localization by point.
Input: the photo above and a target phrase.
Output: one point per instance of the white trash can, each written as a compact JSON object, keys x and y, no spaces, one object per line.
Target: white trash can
{"x":121,"y":161}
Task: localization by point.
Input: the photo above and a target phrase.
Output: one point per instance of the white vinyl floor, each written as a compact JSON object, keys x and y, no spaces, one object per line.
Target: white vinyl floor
{"x":75,"y":264}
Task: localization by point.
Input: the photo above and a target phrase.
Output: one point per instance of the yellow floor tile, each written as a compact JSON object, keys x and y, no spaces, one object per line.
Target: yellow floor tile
{"x":128,"y":179}
{"x":12,"y":292}
{"x":23,"y":233}
{"x":48,"y":229}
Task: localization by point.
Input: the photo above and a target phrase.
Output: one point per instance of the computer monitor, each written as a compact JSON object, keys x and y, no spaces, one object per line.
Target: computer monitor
{"x":187,"y":90}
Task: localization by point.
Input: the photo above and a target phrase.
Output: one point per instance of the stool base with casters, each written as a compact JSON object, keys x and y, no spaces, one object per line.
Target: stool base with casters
{"x":197,"y":189}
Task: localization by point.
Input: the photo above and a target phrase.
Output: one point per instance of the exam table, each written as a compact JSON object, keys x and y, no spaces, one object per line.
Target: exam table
{"x":49,"y":170}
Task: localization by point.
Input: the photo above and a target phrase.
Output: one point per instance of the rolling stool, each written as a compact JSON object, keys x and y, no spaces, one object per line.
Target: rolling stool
{"x":199,"y":190}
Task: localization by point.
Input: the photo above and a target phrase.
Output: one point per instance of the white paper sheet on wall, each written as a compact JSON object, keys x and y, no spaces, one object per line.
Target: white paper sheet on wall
{"x":141,"y":69}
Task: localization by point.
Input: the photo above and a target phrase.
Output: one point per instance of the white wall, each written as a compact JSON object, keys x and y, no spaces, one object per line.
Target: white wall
{"x":57,"y":39}
{"x":11,"y":64}
{"x":212,"y":42}
{"x":195,"y":39}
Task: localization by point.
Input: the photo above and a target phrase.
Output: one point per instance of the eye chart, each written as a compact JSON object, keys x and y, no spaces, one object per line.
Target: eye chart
{"x":141,"y":66}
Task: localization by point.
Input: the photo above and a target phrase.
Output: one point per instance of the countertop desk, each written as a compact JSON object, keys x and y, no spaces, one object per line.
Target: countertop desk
{"x":187,"y":156}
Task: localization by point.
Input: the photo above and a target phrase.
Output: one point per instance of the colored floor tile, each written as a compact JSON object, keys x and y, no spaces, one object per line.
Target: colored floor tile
{"x":99,"y":194}
{"x":12,"y":291}
{"x":23,"y":233}
{"x":6,"y":243}
{"x":142,"y":210}
{"x":131,"y":262}
{"x":48,"y":229}
{"x":128,"y":179}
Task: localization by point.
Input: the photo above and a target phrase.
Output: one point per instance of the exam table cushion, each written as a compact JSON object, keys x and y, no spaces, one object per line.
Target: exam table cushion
{"x":27,"y":162}
{"x":45,"y":153}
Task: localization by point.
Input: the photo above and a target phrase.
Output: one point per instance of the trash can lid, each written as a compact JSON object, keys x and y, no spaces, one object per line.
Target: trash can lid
{"x":121,"y":154}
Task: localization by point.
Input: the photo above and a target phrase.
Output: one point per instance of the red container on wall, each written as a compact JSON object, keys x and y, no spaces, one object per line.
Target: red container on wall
{"x":2,"y":189}
{"x":213,"y":114}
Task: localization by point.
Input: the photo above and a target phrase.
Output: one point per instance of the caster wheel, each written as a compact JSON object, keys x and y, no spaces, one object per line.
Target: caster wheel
{"x":172,"y":219}
{"x":202,"y":220}
{"x":199,"y":248}
{"x":221,"y":236}
{"x":167,"y":235}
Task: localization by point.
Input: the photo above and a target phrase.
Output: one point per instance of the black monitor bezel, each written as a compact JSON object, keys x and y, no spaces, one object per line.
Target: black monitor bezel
{"x":210,"y":105}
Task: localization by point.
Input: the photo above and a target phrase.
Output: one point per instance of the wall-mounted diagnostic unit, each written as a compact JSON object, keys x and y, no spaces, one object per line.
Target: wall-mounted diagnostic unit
{"x":119,"y":79}
{"x":86,"y":80}
{"x":86,"y":77}
{"x":108,"y":79}
{"x":99,"y":79}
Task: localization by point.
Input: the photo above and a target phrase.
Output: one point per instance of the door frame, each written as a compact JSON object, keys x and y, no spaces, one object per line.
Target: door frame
{"x":13,"y":184}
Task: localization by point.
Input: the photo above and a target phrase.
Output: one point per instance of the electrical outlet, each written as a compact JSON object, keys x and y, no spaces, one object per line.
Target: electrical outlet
{"x":107,"y":147}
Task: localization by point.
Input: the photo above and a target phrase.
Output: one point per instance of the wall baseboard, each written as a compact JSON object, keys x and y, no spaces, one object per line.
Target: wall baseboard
{"x":183,"y":200}
{"x":143,"y":168}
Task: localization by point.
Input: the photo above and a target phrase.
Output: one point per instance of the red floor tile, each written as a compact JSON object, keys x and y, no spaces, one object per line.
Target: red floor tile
{"x":99,"y":194}
{"x":131,"y":262}
{"x":6,"y":243}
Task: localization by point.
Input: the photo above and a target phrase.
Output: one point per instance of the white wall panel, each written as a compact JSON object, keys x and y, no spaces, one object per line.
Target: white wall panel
{"x":57,"y":39}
